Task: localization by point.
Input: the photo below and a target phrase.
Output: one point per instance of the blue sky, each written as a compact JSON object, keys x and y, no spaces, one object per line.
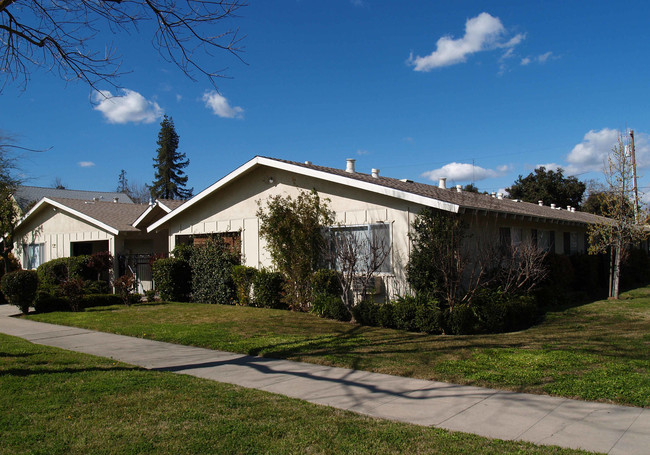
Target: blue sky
{"x":481,"y":91}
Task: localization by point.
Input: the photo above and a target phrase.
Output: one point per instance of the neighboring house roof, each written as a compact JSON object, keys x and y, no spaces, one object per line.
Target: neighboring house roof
{"x":169,"y":204}
{"x":114,"y":217}
{"x":25,"y":195}
{"x":448,"y":199}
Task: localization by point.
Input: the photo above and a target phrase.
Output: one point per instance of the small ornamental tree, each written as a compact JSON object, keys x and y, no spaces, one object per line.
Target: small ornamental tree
{"x":212,"y":264}
{"x":620,"y":230}
{"x":100,"y":262}
{"x":293,"y":230}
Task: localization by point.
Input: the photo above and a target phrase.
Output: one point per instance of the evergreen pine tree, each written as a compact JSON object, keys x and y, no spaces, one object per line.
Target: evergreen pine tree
{"x":122,"y":183}
{"x":169,"y":181}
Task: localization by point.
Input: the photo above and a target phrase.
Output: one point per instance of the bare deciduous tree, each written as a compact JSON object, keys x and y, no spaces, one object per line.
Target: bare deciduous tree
{"x":61,"y":35}
{"x":357,"y":255}
{"x":620,"y":231}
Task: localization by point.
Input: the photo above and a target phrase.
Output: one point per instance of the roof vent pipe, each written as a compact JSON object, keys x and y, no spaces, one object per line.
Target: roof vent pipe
{"x":459,"y":188}
{"x":552,"y":206}
{"x":541,"y":203}
{"x":375,"y":173}
{"x":499,"y":195}
{"x":493,"y":194}
{"x":116,"y":199}
{"x":308,"y":163}
{"x":442,"y":183}
{"x":568,"y":207}
{"x":573,"y":209}
{"x":350,"y":165}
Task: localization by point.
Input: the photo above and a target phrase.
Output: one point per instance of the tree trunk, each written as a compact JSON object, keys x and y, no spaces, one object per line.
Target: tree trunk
{"x":617,"y":272}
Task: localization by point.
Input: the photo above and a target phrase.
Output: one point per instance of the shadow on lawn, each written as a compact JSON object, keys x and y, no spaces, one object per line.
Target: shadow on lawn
{"x":24,"y":372}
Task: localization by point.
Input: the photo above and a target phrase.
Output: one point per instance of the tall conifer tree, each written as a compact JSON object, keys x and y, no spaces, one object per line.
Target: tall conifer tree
{"x":169,"y":180}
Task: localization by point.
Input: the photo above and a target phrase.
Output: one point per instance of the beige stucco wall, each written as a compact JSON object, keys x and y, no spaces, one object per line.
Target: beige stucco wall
{"x":234,"y":207}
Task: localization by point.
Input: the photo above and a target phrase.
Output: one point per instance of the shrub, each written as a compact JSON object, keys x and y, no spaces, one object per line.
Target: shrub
{"x":20,"y":288}
{"x":365,"y":313}
{"x":47,"y":302}
{"x":386,"y":316}
{"x":331,"y":307}
{"x":405,"y":312}
{"x":53,"y":273}
{"x":96,"y":287}
{"x":326,"y":281}
{"x":183,"y":251}
{"x":268,"y":289}
{"x":173,"y":278}
{"x":100,"y":263}
{"x":462,"y":320}
{"x":73,"y":289}
{"x":243,"y":278}
{"x":150,"y":295}
{"x":124,"y":287}
{"x":211,"y":265}
{"x":95,"y":300}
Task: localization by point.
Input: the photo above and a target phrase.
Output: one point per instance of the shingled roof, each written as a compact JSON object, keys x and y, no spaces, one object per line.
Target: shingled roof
{"x":25,"y":195}
{"x":464,"y":199}
{"x":115,"y":217}
{"x":419,"y":193}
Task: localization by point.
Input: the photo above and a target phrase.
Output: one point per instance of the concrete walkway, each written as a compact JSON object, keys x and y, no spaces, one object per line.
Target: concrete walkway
{"x":493,"y":413}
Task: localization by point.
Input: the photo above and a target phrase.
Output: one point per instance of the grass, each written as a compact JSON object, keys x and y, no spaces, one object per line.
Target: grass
{"x":599,"y":351}
{"x":61,"y":402}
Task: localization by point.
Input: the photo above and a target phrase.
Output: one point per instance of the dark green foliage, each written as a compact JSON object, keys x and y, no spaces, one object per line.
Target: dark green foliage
{"x":636,"y":269}
{"x":96,"y":287}
{"x":243,"y":277}
{"x":385,"y":315}
{"x":292,"y":229}
{"x":53,"y":273}
{"x":331,"y":307}
{"x":211,"y":265}
{"x":365,"y":313}
{"x":437,"y":238}
{"x":173,"y":279}
{"x":548,"y":186}
{"x":183,"y":251}
{"x":326,"y":281}
{"x":46,"y":302}
{"x":20,"y":287}
{"x":429,"y":318}
{"x":169,"y":181}
{"x":405,"y":313}
{"x":268,"y":289}
{"x":150,"y":295}
{"x":462,"y":320}
{"x":498,"y":312}
{"x":73,"y":289}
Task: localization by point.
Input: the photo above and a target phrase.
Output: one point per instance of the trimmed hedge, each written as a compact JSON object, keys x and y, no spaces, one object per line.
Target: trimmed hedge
{"x":243,"y":278}
{"x":20,"y":288}
{"x":268,"y":289}
{"x":173,"y":278}
{"x":211,"y":265}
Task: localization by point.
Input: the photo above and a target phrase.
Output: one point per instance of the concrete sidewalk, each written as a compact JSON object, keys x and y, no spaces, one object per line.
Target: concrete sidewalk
{"x":493,"y":413}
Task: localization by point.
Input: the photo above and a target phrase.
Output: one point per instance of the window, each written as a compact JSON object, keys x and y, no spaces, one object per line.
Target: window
{"x":570,"y":243}
{"x":371,"y":243}
{"x":546,"y":240}
{"x":505,"y":237}
{"x":32,"y":255}
{"x":517,"y":236}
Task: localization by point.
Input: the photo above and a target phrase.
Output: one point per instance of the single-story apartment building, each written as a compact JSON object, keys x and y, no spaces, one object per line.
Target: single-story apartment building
{"x":62,"y":227}
{"x":384,"y":206}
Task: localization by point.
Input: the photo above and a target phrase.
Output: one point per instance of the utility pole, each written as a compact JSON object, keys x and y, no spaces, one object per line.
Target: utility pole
{"x":636,"y":192}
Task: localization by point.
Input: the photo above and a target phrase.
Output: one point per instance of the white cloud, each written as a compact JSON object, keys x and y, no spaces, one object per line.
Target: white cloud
{"x":483,"y":32}
{"x":590,"y":155}
{"x":464,"y":172}
{"x":550,"y":166}
{"x":541,"y":59}
{"x":86,"y":164}
{"x":130,"y":106}
{"x":220,"y":106}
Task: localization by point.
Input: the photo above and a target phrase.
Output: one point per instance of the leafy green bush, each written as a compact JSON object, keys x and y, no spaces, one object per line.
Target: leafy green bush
{"x":95,"y":300}
{"x":365,"y":313}
{"x":173,"y":278}
{"x":462,"y":320}
{"x":124,"y":287}
{"x":150,"y":295}
{"x":429,"y":318}
{"x":268,"y":289}
{"x":326,"y":281}
{"x":20,"y":287}
{"x":211,"y":265}
{"x":53,"y":273}
{"x":96,"y":287}
{"x":47,"y":302}
{"x":183,"y":251}
{"x":405,"y":313}
{"x":243,"y":278}
{"x":73,"y":289}
{"x":331,"y":307}
{"x":386,"y":316}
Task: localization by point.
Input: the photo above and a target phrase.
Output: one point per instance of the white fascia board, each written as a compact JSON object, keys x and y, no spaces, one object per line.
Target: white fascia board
{"x":163,"y":206}
{"x":67,"y":209}
{"x":206,"y":192}
{"x":144,"y":214}
{"x":322,"y":175}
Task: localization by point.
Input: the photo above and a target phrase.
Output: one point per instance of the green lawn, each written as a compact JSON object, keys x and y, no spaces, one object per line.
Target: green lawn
{"x":599,"y":351}
{"x":59,"y":402}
